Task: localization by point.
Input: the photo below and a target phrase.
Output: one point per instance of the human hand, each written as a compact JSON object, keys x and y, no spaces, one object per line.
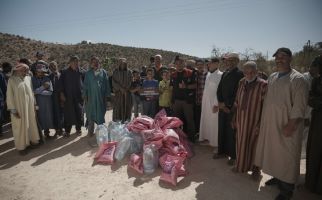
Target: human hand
{"x":215,"y":109}
{"x":221,"y":105}
{"x":182,"y":85}
{"x":16,"y":115}
{"x":46,"y":85}
{"x":233,"y":124}
{"x":289,"y":129}
{"x":226,"y":110}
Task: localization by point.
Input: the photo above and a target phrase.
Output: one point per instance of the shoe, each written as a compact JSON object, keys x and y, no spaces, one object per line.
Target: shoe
{"x":231,"y":162}
{"x":282,"y":197}
{"x":218,"y":156}
{"x":47,"y":135}
{"x":33,"y":146}
{"x":23,"y":152}
{"x":272,"y":181}
{"x":66,"y":135}
{"x":41,"y":142}
{"x":256,"y":175}
{"x":78,"y":132}
{"x":58,"y":133}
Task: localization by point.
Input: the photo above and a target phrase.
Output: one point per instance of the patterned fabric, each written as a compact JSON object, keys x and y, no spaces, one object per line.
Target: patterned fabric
{"x":201,"y":79}
{"x":249,"y":102}
{"x":122,"y":102}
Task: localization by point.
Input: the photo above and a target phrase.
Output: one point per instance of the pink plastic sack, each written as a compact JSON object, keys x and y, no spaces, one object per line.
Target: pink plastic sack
{"x":170,"y":136}
{"x":105,"y":153}
{"x":152,"y":134}
{"x":182,"y":171}
{"x":160,"y":118}
{"x":160,"y":114}
{"x":170,"y":176}
{"x":175,"y":149}
{"x":184,"y":142}
{"x":171,"y":165}
{"x":166,"y":158}
{"x":172,"y":122}
{"x":136,"y":127}
{"x":136,"y":163}
{"x":140,"y":123}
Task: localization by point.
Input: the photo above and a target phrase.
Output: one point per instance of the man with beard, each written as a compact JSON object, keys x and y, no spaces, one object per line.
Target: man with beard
{"x":226,"y":94}
{"x":71,"y":96}
{"x":96,"y":91}
{"x":278,"y":150}
{"x":122,"y":102}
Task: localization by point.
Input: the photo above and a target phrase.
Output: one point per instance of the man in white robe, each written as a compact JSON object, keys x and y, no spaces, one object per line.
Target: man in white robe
{"x":279,"y":142}
{"x":21,"y":104}
{"x":209,"y":118}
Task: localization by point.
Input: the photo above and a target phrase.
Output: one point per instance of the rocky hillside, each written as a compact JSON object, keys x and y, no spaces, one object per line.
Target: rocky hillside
{"x":13,"y":47}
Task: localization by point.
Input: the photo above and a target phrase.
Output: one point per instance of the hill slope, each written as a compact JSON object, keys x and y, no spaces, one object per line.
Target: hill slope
{"x":13,"y":47}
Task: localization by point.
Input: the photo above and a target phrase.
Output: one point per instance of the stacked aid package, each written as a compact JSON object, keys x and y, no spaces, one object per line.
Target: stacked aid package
{"x":149,"y":143}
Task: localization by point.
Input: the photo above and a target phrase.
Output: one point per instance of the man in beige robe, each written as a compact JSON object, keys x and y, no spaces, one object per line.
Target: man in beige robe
{"x":21,"y":104}
{"x":279,"y":143}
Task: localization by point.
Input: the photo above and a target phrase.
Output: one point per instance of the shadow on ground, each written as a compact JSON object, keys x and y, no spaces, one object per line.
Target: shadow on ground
{"x":52,"y":149}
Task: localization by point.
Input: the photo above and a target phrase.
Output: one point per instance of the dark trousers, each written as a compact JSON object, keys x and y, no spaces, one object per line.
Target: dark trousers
{"x":78,"y":119}
{"x":136,"y":103}
{"x":78,"y":124}
{"x":58,"y":113}
{"x":226,"y":135}
{"x":197,"y":116}
{"x":91,"y":126}
{"x":1,"y":120}
{"x":1,"y":124}
{"x":150,"y":108}
{"x":168,"y":110}
{"x":182,"y":109}
{"x":4,"y":117}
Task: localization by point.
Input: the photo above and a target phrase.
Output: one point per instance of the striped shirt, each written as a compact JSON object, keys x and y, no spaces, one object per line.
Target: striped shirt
{"x":201,"y":79}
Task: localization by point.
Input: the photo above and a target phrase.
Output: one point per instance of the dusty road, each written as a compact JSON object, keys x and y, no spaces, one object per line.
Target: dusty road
{"x":63,"y":169}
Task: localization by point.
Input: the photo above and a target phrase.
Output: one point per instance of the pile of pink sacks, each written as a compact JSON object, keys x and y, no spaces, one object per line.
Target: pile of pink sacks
{"x":165,"y":135}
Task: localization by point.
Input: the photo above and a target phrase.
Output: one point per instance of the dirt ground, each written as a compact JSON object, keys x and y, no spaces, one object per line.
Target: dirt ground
{"x":64,"y":169}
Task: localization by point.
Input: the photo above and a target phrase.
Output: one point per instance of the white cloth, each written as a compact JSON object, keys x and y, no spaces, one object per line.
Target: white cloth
{"x":209,"y":120}
{"x":21,"y":98}
{"x":286,"y":98}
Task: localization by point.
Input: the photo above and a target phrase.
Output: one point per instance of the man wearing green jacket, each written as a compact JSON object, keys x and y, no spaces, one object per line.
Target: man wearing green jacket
{"x":96,"y":91}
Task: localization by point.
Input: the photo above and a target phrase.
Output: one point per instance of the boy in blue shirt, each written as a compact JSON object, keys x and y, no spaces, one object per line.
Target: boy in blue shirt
{"x":150,"y":94}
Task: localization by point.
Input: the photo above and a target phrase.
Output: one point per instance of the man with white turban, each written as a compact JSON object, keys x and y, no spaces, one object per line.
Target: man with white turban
{"x":21,"y":104}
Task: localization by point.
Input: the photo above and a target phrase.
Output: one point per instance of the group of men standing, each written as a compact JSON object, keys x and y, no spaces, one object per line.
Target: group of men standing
{"x":258,"y":124}
{"x":261,"y":123}
{"x":46,"y":98}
